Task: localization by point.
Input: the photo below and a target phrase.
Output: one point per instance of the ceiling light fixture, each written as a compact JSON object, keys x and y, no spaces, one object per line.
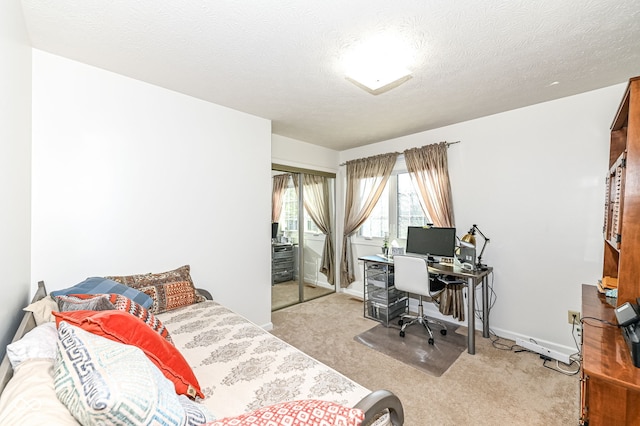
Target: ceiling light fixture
{"x":379,"y":81}
{"x":379,"y":64}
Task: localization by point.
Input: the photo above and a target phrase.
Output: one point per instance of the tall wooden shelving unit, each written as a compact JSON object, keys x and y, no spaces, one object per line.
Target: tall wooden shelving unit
{"x":610,"y":383}
{"x":622,"y":219}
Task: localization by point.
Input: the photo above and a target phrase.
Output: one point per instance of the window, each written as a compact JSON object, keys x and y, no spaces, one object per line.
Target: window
{"x":398,"y":208}
{"x":309,"y":224}
{"x":378,"y":222}
{"x":410,"y":211}
{"x":289,"y":214}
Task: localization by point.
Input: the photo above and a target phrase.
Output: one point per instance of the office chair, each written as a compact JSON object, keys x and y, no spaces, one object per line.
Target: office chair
{"x":411,"y":274}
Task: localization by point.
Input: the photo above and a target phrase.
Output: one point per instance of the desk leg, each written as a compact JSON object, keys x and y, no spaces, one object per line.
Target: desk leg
{"x":485,"y":306}
{"x":471,"y":317}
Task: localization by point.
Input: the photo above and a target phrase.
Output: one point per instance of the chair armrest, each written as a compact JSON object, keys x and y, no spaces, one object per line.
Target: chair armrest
{"x":378,"y":401}
{"x":204,"y":293}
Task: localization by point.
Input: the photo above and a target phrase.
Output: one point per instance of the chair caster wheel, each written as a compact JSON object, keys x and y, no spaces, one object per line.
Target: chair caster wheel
{"x":431,"y":340}
{"x":443,"y":332}
{"x":400,"y":322}
{"x":402,"y":334}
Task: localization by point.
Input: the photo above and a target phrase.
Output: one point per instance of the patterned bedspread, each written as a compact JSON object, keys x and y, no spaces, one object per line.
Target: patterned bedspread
{"x":241,"y":367}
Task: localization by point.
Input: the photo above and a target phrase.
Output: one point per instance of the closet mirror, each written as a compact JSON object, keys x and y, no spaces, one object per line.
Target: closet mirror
{"x":303,"y":238}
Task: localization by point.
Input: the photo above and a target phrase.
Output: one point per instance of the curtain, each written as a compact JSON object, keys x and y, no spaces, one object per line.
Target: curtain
{"x":366,"y":179}
{"x":278,"y":187}
{"x":451,"y":302}
{"x":316,"y":203}
{"x":429,"y":172}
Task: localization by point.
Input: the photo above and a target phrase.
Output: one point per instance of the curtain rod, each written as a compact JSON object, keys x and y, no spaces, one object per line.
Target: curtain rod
{"x":448,"y":143}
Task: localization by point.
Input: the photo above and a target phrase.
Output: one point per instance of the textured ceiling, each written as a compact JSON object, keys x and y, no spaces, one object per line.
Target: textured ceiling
{"x":282,"y":60}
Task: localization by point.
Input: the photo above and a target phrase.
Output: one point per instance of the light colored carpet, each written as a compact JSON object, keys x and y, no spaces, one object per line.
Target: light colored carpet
{"x":492,"y":387}
{"x":287,"y":293}
{"x":414,"y":348}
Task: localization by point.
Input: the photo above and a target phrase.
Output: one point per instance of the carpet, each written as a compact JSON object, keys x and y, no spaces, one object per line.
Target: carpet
{"x":414,"y":349}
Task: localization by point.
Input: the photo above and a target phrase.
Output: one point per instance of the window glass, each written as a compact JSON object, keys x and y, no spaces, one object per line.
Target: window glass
{"x":410,"y":211}
{"x":289,"y":213}
{"x":404,"y":201}
{"x":377,"y":224}
{"x":309,"y":224}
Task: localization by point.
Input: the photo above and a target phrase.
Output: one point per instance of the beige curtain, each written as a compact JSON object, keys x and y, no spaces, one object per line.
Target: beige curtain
{"x":316,"y":203}
{"x":451,"y":301}
{"x":429,"y":172}
{"x":366,"y":179}
{"x":278,"y":187}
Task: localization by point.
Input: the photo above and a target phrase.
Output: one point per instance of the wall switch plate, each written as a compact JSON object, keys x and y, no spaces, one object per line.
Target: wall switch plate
{"x":573,"y":314}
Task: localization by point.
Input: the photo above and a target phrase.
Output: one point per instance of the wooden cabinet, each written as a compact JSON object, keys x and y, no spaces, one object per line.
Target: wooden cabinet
{"x":622,"y":211}
{"x":610,"y":384}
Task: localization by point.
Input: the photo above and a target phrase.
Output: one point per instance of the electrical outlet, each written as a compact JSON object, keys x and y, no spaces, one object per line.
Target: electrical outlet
{"x":573,"y":316}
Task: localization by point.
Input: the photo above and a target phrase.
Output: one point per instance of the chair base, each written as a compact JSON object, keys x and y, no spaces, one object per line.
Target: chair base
{"x":421,"y":319}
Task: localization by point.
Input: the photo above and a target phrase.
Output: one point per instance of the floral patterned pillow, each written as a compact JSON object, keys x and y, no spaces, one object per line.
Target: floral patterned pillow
{"x":304,"y":412}
{"x":169,"y":290}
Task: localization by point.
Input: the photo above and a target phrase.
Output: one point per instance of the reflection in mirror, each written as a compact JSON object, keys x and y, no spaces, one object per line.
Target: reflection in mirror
{"x":302,"y":250}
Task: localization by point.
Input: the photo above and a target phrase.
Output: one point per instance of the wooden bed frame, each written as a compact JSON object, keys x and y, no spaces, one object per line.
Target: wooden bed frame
{"x":372,"y":404}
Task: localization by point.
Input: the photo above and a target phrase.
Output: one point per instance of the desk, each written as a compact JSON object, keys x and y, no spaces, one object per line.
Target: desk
{"x":473,"y":278}
{"x":609,"y":382}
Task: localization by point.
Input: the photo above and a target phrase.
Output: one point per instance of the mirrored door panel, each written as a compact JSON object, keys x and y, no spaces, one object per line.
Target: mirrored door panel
{"x":302,"y":252}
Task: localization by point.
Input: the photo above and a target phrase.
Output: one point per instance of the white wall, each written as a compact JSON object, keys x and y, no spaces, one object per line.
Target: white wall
{"x":133,"y":178}
{"x":532,"y":179}
{"x":296,"y":153}
{"x":15,"y":166}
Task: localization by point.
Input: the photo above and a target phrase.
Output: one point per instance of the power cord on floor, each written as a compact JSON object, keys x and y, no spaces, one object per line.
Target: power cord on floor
{"x":560,"y":369}
{"x":503,"y":344}
{"x":508,"y":345}
{"x":573,"y":358}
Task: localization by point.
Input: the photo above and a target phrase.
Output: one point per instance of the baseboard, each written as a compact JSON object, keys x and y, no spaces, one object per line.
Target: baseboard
{"x":268,"y":326}
{"x":353,"y":293}
{"x":560,"y":351}
{"x":543,"y":350}
{"x":553,"y":348}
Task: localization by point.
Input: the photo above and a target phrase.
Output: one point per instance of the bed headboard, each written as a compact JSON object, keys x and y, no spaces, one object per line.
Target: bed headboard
{"x":28,"y":322}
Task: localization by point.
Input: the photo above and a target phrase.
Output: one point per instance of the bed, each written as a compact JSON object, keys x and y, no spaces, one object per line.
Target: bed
{"x":242,"y":368}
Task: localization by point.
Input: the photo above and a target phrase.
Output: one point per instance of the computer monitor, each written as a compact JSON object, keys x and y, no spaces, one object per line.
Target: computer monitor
{"x":431,"y":241}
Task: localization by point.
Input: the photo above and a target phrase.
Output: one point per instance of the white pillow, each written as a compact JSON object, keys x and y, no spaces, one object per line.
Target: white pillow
{"x":30,"y":398}
{"x":37,"y":343}
{"x":42,"y":310}
{"x":106,"y":382}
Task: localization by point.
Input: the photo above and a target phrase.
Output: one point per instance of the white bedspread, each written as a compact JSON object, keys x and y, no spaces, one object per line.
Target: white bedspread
{"x":241,"y":367}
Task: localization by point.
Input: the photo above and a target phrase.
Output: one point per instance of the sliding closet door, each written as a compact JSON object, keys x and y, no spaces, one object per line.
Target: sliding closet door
{"x":302,"y":259}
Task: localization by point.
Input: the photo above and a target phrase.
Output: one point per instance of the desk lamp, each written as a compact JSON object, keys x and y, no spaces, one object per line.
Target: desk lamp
{"x":470,"y":237}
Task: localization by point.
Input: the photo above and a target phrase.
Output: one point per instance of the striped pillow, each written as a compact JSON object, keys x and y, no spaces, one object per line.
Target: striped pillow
{"x":76,"y":302}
